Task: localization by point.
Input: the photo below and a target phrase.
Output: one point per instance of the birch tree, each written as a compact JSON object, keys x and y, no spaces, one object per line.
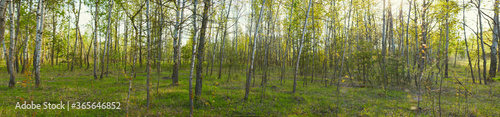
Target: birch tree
{"x":96,"y":18}
{"x":26,"y":40}
{"x":198,"y":71}
{"x":201,"y":50}
{"x":12,"y":80}
{"x":148,"y":66}
{"x":221,"y":53}
{"x":482,"y":41}
{"x":175,"y":72}
{"x":494,"y":45}
{"x":108,"y":36}
{"x":77,"y":14}
{"x":466,"y":45}
{"x":252,"y":58}
{"x":3,"y":8}
{"x":38,"y":41}
{"x":301,"y":44}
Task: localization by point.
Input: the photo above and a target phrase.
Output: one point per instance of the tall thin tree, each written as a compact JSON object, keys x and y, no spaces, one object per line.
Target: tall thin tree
{"x":297,"y":61}
{"x":252,"y":59}
{"x":38,"y":41}
{"x":96,"y":18}
{"x":11,"y":60}
{"x":494,"y":45}
{"x":108,"y":36}
{"x":482,"y":41}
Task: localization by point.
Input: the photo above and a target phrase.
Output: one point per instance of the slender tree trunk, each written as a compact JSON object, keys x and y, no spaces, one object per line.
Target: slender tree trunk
{"x":134,"y":50}
{"x":314,"y":45}
{"x":125,"y":44}
{"x":199,"y":67}
{"x":140,"y":40}
{"x":26,"y":42}
{"x":300,"y":48}
{"x":346,"y":47}
{"x":407,"y":44}
{"x":494,"y":45}
{"x":95,"y":40}
{"x":201,"y":49}
{"x":423,"y":51}
{"x":16,"y":51}
{"x":76,"y":34}
{"x":67,"y":41}
{"x":38,"y":41}
{"x":384,"y":45}
{"x":179,"y":42}
{"x":158,"y":64}
{"x":12,"y":80}
{"x":87,"y":55}
{"x":252,"y":59}
{"x":108,"y":36}
{"x":216,"y":40}
{"x":148,"y":67}
{"x":266,"y":50}
{"x":283,"y":64}
{"x":446,"y":60}
{"x":221,"y":53}
{"x":466,"y":45}
{"x":482,"y":42}
{"x":53,"y":38}
{"x":81,"y":47}
{"x":175,"y":72}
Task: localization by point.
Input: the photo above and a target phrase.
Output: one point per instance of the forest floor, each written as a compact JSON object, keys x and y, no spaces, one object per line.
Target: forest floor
{"x":222,"y":98}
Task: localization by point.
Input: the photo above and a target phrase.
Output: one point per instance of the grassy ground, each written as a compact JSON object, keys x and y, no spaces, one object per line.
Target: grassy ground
{"x":222,"y":98}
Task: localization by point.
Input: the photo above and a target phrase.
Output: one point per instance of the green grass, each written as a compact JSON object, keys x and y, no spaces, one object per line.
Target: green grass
{"x":225,"y":99}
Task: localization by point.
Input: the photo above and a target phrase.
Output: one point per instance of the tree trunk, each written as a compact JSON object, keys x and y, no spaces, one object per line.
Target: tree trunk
{"x":175,"y":72}
{"x":179,"y":42}
{"x":446,"y":60}
{"x":39,"y":34}
{"x":158,"y":64}
{"x":148,"y":69}
{"x":16,"y":51}
{"x":300,"y":47}
{"x":76,"y":35}
{"x":12,"y":80}
{"x":407,"y":44}
{"x":108,"y":36}
{"x":125,"y":44}
{"x":252,"y":59}
{"x":482,"y":42}
{"x":221,"y":53}
{"x":53,"y":38}
{"x":314,"y":45}
{"x":26,"y":40}
{"x":384,"y":45}
{"x":199,"y":67}
{"x":286,"y":45}
{"x":423,"y":51}
{"x":494,"y":45}
{"x":95,"y":40}
{"x":466,"y":45}
{"x":201,"y":49}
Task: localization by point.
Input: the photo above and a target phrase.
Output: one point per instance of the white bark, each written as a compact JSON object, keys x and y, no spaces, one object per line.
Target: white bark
{"x":39,"y":34}
{"x":11,"y":61}
{"x":193,"y":57}
{"x":252,"y":59}
{"x":300,"y":48}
